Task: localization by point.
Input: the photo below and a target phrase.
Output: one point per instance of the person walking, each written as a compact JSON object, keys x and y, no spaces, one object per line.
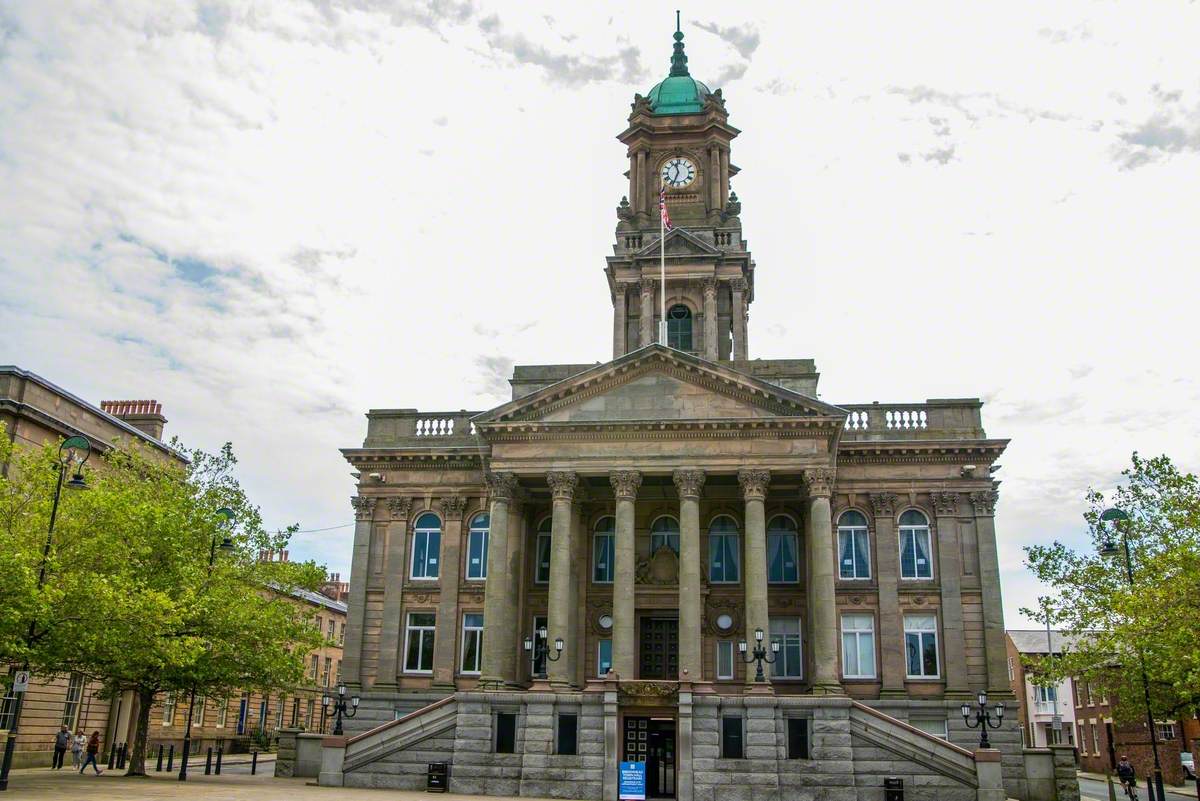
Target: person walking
{"x":78,"y":743}
{"x":93,"y":748}
{"x":62,"y":741}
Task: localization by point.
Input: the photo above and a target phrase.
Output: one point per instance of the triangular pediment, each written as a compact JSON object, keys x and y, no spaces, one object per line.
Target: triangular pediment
{"x":657,"y":383}
{"x":679,"y":243}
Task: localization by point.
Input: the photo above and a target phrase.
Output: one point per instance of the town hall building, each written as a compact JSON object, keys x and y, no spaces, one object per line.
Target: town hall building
{"x":581,"y":576}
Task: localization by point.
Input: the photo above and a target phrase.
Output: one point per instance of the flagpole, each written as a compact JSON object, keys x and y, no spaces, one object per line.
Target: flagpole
{"x":662,"y":263}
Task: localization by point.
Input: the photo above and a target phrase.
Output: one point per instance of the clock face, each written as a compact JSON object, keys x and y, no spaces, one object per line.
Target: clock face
{"x":678,"y":172}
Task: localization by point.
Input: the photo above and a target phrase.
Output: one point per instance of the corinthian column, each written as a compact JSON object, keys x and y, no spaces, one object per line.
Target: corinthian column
{"x":562,"y":488}
{"x":887,"y":557}
{"x":625,"y":485}
{"x":754,"y":490}
{"x":647,"y":319}
{"x":446,"y":634}
{"x":499,"y":665}
{"x":822,"y":598}
{"x":689,"y":483}
{"x":364,"y":512}
{"x":738,"y":312}
{"x":393,"y":590}
{"x":710,"y":319}
{"x":989,"y":579}
{"x":950,"y":579}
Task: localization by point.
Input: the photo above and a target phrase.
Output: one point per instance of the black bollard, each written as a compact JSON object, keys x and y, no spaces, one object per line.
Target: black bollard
{"x":122,"y":755}
{"x":208,"y":762}
{"x":253,"y":762}
{"x":171,"y":758}
{"x":158,"y":767}
{"x":219,"y":752}
{"x":112,"y":756}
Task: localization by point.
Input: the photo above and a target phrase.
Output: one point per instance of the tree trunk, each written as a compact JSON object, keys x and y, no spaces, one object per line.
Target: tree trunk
{"x":137,"y":755}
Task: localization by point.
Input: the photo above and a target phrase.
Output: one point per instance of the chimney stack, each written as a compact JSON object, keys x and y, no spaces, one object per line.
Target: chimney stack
{"x":144,"y":415}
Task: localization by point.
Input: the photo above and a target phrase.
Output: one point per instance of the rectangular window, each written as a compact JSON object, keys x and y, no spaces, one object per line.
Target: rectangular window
{"x":243,"y":713}
{"x":1045,"y":695}
{"x":308,"y":713}
{"x":542,"y":571}
{"x":854,"y":560}
{"x":318,"y":624}
{"x":603,"y":658}
{"x":71,"y":706}
{"x":262,"y":716}
{"x":418,"y":642}
{"x":1166,"y":732}
{"x":1087,"y":686}
{"x":789,"y":661}
{"x":332,"y":629}
{"x":934,"y":726}
{"x":603,"y":557}
{"x":472,"y":643}
{"x":341,"y":634}
{"x":339,"y":672}
{"x":568,"y":734}
{"x":314,"y":668}
{"x":914,"y":553}
{"x":222,"y":712}
{"x":477,"y":554}
{"x":1078,"y":700}
{"x":279,"y":713}
{"x":426,"y":547}
{"x":723,"y":558}
{"x":1095,"y":739}
{"x":920,"y":646}
{"x":169,"y":709}
{"x":295,"y":712}
{"x":1082,"y":739}
{"x":797,"y":738}
{"x":724,"y":659}
{"x":506,"y":733}
{"x":858,"y":646}
{"x":731,"y":737}
{"x":328,"y":677}
{"x":782,"y":567}
{"x":198,"y":718}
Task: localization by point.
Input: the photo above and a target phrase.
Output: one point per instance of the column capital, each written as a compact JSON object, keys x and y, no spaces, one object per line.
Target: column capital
{"x":884,"y":503}
{"x":754,"y":483}
{"x":689,"y":482}
{"x":625,"y":483}
{"x":562,"y":484}
{"x":945,"y":504}
{"x":818,"y":481}
{"x":985,"y":502}
{"x":364,"y":507}
{"x":648,"y":285}
{"x":709,"y":287}
{"x":738,"y":284}
{"x":453,"y":506}
{"x":399,"y":508}
{"x":502,"y":486}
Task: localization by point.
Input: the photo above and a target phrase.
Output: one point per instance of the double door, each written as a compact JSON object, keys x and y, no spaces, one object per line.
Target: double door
{"x":652,"y":740}
{"x":659,"y":649}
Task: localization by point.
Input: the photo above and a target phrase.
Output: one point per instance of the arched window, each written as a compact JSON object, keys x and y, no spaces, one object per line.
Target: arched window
{"x":603,"y":552}
{"x":915,"y":559}
{"x":541,"y":570}
{"x":664,"y":532}
{"x":427,"y":545}
{"x":679,"y":327}
{"x":854,"y":554}
{"x":782,"y":547}
{"x":724,"y":553}
{"x":477,"y":547}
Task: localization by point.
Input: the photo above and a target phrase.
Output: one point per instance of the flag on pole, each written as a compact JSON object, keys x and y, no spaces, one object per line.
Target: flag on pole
{"x":662,"y":208}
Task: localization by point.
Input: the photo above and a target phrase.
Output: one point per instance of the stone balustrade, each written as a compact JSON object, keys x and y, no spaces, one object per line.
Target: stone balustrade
{"x":954,"y":418}
{"x":410,"y":427}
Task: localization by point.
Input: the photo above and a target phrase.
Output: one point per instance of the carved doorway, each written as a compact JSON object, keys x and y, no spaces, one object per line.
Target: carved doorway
{"x":659,"y":648}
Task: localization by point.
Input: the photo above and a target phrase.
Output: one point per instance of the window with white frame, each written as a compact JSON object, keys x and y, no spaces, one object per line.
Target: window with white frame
{"x":724,"y":659}
{"x":477,"y":547}
{"x":71,"y":706}
{"x":279,"y":713}
{"x":934,"y":726}
{"x":603,"y":551}
{"x":472,"y":643}
{"x":915,"y":558}
{"x":783,"y":566}
{"x":854,"y":554}
{"x":724,"y":556}
{"x":169,"y":709}
{"x":418,"y":642}
{"x":427,"y":546}
{"x":541,"y":570}
{"x":921,"y":646}
{"x":789,"y":661}
{"x":222,"y":712}
{"x":201,"y":706}
{"x":603,"y":657}
{"x":664,"y":533}
{"x":1166,"y":731}
{"x":314,"y":667}
{"x":858,"y":646}
{"x":1045,"y":695}
{"x":332,"y":631}
{"x":1095,"y":739}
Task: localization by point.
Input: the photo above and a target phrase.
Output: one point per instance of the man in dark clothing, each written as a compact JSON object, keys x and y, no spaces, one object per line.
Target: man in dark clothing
{"x":1126,"y":775}
{"x":62,"y":741}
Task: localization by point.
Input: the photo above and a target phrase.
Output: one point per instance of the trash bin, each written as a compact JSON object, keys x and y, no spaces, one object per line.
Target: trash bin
{"x":893,"y":789}
{"x":437,"y":777}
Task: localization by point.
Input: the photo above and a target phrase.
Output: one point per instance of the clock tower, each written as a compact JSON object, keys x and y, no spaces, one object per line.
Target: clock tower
{"x":679,"y":138}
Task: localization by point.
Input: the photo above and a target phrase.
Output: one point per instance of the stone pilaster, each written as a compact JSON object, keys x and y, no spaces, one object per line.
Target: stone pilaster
{"x":619,"y":317}
{"x":888,"y":639}
{"x":689,"y":484}
{"x":364,"y":513}
{"x":625,"y":485}
{"x":499,"y":665}
{"x":393,"y":590}
{"x":445,"y":651}
{"x":945,"y":506}
{"x":754,"y":491}
{"x":984,"y":504}
{"x":822,"y":597}
{"x":646,"y":323}
{"x":560,"y":608}
{"x":709,"y":286}
{"x":738,"y":287}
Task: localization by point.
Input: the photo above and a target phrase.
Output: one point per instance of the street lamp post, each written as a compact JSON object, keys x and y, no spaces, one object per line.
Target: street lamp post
{"x":1110,"y":548}
{"x":226,"y":546}
{"x":74,"y":450}
{"x":339,"y":707}
{"x":983,"y":717}
{"x":758,"y":654}
{"x":539,"y":648}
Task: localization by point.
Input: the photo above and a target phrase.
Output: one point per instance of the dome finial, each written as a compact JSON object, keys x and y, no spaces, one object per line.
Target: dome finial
{"x":678,"y":59}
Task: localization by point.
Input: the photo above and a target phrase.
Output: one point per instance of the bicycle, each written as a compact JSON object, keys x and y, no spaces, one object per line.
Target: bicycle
{"x":1130,"y":788}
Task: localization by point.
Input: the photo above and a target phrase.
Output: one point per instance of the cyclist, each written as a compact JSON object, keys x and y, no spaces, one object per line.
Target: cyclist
{"x":1127,"y":776}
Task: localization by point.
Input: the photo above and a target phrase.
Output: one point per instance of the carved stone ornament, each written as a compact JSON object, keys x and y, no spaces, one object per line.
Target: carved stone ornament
{"x":452,"y":507}
{"x":399,"y":508}
{"x":640,"y":105}
{"x":856,"y":600}
{"x":689,"y":483}
{"x":562,"y":484}
{"x":733,"y":206}
{"x":738,"y":284}
{"x":945,"y":504}
{"x":884,"y":503}
{"x":648,"y":285}
{"x":624,"y":211}
{"x":625,"y":483}
{"x":502,"y":486}
{"x":709,"y":287}
{"x":661,"y":569}
{"x":985,"y":502}
{"x":648,"y":693}
{"x":754,"y":483}
{"x":819,"y":482}
{"x":723,"y":606}
{"x":364,"y":507}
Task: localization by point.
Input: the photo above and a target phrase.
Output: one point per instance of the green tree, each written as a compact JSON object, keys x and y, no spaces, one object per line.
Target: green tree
{"x":1123,"y":628}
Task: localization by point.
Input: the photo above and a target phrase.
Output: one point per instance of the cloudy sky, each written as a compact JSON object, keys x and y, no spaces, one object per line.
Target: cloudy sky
{"x":272,"y":216}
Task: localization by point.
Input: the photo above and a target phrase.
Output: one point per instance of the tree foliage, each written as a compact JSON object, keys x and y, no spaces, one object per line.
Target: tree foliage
{"x":1152,"y":623}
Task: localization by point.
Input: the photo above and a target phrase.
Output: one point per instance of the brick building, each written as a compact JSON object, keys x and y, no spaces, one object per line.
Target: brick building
{"x":1038,"y":703}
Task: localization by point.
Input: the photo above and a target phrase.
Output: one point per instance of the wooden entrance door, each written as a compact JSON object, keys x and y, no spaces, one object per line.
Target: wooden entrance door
{"x":659,"y":648}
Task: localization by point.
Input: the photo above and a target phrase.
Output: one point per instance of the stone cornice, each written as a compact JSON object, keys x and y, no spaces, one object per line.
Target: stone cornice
{"x":776,"y":428}
{"x":919,"y":451}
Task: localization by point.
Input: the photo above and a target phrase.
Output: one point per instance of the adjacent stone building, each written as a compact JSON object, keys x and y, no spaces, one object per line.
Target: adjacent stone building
{"x":544,"y":589}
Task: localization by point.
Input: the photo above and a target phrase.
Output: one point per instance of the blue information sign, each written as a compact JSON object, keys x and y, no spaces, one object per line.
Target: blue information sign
{"x":631,"y":781}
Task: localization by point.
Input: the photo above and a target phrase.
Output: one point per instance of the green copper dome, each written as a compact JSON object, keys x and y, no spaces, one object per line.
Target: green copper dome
{"x":679,"y":93}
